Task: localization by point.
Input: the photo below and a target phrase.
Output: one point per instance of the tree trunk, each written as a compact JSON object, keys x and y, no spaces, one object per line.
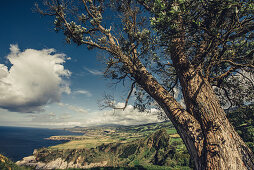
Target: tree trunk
{"x":209,"y":137}
{"x":223,"y":148}
{"x":186,"y":124}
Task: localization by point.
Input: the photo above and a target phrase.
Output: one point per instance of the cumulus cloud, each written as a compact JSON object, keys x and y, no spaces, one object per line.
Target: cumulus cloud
{"x":35,"y":79}
{"x":129,"y":116}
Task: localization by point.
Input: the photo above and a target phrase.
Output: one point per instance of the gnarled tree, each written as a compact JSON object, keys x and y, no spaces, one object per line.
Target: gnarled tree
{"x":203,"y":43}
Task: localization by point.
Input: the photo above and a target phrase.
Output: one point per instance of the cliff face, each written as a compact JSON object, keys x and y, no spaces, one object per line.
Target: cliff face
{"x":154,"y":150}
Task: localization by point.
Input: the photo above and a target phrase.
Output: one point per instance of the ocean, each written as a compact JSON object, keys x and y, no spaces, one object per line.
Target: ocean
{"x":19,"y":142}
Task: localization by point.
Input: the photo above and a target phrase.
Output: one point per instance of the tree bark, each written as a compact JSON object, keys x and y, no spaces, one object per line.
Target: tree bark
{"x":223,"y":148}
{"x":186,"y":124}
{"x":209,"y":137}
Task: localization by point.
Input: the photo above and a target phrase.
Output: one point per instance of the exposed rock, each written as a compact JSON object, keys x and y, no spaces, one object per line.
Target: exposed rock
{"x":58,"y":163}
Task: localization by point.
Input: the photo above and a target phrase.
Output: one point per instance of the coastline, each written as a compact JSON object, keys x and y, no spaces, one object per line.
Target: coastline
{"x":19,"y":142}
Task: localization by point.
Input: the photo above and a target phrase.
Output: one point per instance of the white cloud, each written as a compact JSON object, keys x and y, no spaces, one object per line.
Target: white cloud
{"x":53,"y":120}
{"x":129,"y":116}
{"x":85,"y":92}
{"x":94,"y":72}
{"x":44,"y":117}
{"x":65,"y":117}
{"x":35,"y":79}
{"x":77,"y":109}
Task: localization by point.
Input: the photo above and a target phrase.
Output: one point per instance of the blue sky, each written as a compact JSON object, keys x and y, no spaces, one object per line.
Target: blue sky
{"x":63,"y":97}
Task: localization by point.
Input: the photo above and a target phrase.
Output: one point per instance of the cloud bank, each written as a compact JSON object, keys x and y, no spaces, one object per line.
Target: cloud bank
{"x":35,"y":79}
{"x":129,"y":116}
{"x":53,"y":120}
{"x":74,"y":108}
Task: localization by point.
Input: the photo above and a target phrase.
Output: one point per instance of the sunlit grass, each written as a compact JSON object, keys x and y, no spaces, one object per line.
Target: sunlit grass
{"x":87,"y":143}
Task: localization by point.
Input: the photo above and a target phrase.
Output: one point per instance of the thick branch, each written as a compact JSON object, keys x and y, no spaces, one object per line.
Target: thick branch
{"x":236,"y":64}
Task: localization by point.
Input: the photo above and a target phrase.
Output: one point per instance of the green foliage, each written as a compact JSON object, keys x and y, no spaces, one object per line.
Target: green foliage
{"x":242,"y":119}
{"x":129,"y":150}
{"x":6,"y":164}
{"x":217,"y":36}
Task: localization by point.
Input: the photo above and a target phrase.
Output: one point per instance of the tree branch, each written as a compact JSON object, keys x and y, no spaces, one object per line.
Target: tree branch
{"x":145,"y":5}
{"x":128,"y":97}
{"x":227,"y":96}
{"x":236,"y":64}
{"x":242,"y":32}
{"x":226,"y":74}
{"x":251,"y":81}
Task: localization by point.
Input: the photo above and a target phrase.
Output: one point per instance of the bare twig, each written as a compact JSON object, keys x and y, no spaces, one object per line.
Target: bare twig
{"x":128,"y":97}
{"x":227,"y":73}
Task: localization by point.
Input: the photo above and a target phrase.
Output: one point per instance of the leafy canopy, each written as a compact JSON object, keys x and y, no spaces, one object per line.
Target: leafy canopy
{"x":217,"y":38}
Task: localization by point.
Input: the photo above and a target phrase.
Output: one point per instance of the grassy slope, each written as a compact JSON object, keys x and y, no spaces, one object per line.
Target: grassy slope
{"x":129,"y":146}
{"x":96,"y":136}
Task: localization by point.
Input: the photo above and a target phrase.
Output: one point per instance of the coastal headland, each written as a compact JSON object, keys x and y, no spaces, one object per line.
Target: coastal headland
{"x":147,"y":146}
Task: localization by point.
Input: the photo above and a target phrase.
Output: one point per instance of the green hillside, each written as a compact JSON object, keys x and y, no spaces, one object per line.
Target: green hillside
{"x":153,"y":152}
{"x":150,"y":146}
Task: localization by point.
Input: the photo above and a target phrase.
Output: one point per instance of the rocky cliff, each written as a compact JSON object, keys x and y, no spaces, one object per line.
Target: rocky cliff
{"x":58,"y":163}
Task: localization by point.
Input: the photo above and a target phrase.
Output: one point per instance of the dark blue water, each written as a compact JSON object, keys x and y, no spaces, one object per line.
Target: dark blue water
{"x":19,"y":142}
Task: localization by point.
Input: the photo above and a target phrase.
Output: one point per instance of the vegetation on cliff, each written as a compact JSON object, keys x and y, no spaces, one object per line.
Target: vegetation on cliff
{"x":6,"y":164}
{"x":160,"y":149}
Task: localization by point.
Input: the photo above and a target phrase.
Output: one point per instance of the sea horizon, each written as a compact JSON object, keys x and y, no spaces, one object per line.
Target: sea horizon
{"x":18,"y":142}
